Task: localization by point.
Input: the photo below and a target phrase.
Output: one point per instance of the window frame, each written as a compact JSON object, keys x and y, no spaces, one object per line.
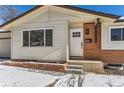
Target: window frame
{"x":44,"y":28}
{"x":112,"y":27}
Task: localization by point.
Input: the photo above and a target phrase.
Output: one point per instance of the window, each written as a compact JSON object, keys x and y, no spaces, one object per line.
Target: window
{"x":48,"y":37}
{"x":123,"y":34}
{"x":25,"y":38}
{"x":76,"y":34}
{"x":37,"y":38}
{"x":117,"y":34}
{"x":42,"y":37}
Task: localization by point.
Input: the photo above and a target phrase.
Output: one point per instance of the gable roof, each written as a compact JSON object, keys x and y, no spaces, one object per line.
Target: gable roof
{"x":67,"y":7}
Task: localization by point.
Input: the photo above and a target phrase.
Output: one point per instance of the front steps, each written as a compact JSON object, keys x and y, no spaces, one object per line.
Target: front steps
{"x":76,"y":58}
{"x":79,"y":66}
{"x":76,"y":69}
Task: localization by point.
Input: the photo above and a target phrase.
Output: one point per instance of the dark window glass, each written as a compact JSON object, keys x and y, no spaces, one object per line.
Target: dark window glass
{"x":48,"y":37}
{"x":37,"y":38}
{"x":123,"y":34}
{"x":25,"y":38}
{"x":116,"y":34}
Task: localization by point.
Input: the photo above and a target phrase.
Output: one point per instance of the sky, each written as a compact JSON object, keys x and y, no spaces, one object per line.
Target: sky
{"x":112,"y":9}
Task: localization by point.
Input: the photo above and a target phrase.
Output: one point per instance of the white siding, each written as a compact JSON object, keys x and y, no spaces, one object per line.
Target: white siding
{"x":56,"y":52}
{"x":105,"y":41}
{"x":5,"y":45}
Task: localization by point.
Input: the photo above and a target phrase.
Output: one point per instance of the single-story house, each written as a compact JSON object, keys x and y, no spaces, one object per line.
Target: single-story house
{"x":61,"y":33}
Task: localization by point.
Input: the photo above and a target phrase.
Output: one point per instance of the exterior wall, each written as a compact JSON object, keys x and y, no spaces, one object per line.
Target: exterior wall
{"x":105,"y":35}
{"x":90,"y":50}
{"x":107,"y":56}
{"x":5,"y":44}
{"x":56,"y":52}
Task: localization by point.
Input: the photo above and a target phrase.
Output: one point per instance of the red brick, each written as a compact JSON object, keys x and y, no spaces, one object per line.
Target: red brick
{"x":92,"y":51}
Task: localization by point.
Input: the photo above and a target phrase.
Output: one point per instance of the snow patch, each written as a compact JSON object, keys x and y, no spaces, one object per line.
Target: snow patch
{"x":17,"y":77}
{"x":97,"y":80}
{"x":121,"y":18}
{"x":24,"y":77}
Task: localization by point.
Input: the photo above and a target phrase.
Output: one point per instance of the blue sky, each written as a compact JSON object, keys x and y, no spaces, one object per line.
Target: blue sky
{"x":112,"y":9}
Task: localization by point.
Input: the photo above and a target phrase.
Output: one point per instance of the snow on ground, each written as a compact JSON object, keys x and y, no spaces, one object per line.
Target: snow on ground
{"x":121,"y":18}
{"x":91,"y":80}
{"x":97,"y":80}
{"x":24,"y":77}
{"x":17,"y":77}
{"x":3,"y":60}
{"x":69,"y":80}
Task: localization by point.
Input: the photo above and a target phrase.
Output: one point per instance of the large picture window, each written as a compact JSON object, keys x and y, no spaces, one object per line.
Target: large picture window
{"x":117,"y":34}
{"x":37,"y":38}
{"x":41,"y":37}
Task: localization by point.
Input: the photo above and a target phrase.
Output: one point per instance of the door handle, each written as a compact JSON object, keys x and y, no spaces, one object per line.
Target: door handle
{"x":81,"y":44}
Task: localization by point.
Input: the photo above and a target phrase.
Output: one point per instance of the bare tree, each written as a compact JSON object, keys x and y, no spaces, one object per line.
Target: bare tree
{"x":8,"y":12}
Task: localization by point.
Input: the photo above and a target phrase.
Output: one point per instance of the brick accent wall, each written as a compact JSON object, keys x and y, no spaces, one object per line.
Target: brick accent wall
{"x":92,"y":51}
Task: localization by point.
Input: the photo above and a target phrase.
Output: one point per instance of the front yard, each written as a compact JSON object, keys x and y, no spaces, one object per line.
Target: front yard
{"x":24,"y":77}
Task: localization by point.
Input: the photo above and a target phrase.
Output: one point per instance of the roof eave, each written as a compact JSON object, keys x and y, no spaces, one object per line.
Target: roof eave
{"x":63,"y":6}
{"x":90,"y":11}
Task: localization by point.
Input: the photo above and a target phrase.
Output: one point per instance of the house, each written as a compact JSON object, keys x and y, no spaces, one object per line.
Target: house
{"x":60,"y":33}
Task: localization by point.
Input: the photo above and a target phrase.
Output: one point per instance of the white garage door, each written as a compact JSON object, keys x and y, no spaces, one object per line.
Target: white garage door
{"x":5,"y":45}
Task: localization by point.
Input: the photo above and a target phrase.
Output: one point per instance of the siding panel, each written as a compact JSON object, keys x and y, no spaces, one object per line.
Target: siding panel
{"x":56,"y":52}
{"x":5,"y":45}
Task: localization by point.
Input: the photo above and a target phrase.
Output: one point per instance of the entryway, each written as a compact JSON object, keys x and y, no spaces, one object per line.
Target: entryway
{"x":76,"y":43}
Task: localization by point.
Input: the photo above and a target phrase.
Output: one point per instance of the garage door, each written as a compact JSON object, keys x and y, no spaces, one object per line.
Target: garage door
{"x":5,"y":44}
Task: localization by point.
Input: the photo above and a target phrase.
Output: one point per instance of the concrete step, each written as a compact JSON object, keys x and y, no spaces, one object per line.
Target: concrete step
{"x":74,"y":71}
{"x":75,"y":63}
{"x":75,"y":66}
{"x":76,"y":58}
{"x":89,"y":65}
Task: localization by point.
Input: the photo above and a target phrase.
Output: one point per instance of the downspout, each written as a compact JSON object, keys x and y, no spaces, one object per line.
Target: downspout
{"x":67,"y":42}
{"x":98,"y":33}
{"x":11,"y":43}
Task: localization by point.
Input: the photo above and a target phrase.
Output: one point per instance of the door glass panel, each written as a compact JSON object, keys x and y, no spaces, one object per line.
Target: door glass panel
{"x":76,"y":34}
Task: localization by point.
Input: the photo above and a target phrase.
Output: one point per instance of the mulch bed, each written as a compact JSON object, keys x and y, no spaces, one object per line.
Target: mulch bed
{"x":39,"y":61}
{"x":37,"y":65}
{"x":114,"y":72}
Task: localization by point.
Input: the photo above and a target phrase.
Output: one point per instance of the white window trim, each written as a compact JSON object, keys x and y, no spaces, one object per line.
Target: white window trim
{"x":110,"y":33}
{"x":44,"y":36}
